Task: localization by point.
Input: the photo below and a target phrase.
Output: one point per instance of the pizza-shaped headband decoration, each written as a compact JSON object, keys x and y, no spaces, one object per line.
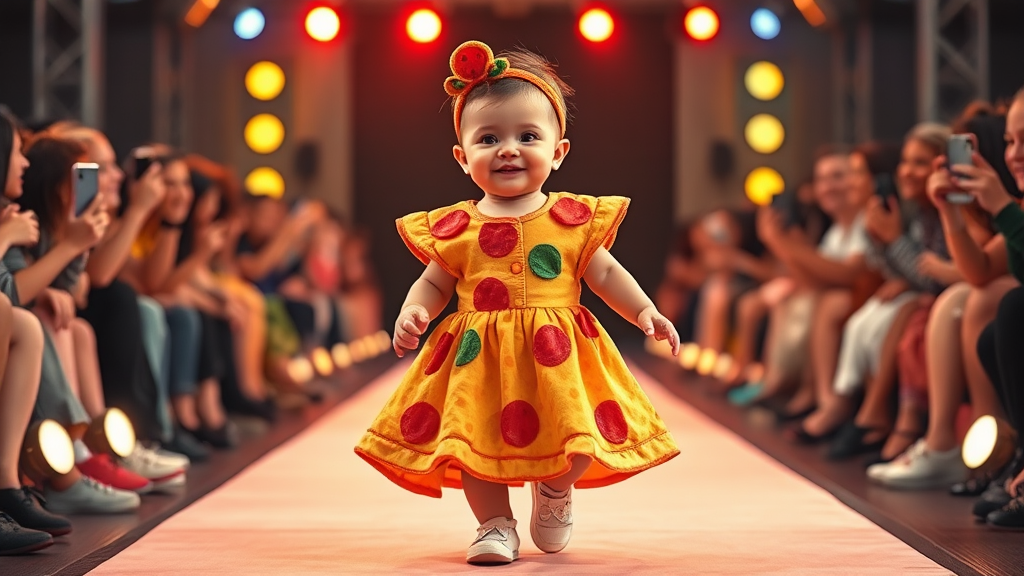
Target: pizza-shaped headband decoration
{"x":473,"y":63}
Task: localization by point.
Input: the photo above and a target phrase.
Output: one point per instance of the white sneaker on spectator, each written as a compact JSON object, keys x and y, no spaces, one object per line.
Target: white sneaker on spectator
{"x":551,"y":522}
{"x":88,"y":496}
{"x":172,"y":458}
{"x":921,"y":469}
{"x":496,"y":542}
{"x":164,"y":472}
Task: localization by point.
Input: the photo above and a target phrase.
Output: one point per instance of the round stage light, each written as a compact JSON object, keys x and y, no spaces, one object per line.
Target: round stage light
{"x":118,"y":432}
{"x":764,"y":133}
{"x":723,"y":367}
{"x":342,"y":357}
{"x":596,"y":25}
{"x":423,"y":26}
{"x":706,"y":362}
{"x":301,"y":370}
{"x":689,"y":355}
{"x":264,"y":80}
{"x":989,"y":444}
{"x":322,"y":24}
{"x":764,"y":80}
{"x":47,"y":451}
{"x":763,"y":183}
{"x":765,"y":24}
{"x":701,"y":23}
{"x":265,"y":181}
{"x":264,"y":133}
{"x":249,"y":23}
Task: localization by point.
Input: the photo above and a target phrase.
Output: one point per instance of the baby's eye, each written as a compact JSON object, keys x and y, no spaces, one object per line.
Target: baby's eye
{"x":528,"y":137}
{"x":489,"y":139}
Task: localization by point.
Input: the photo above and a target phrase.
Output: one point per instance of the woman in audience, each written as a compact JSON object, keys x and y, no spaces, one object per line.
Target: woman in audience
{"x":24,"y":524}
{"x":828,"y":274}
{"x":682,"y":279}
{"x":361,"y":297}
{"x":959,"y":315}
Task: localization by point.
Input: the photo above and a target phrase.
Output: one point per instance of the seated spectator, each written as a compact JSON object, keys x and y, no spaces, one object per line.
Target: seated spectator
{"x":362,"y":301}
{"x":682,"y":279}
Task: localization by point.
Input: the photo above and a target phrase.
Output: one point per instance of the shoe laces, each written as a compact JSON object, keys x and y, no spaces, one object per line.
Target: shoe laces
{"x":500,"y":532}
{"x":32,"y":496}
{"x":97,"y":485}
{"x":1015,"y":505}
{"x":918,"y":450}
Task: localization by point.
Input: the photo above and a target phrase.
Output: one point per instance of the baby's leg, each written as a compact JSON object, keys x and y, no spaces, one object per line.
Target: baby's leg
{"x":487,"y":499}
{"x":580,"y":464}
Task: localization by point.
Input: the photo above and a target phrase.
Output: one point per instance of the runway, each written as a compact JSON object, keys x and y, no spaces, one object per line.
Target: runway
{"x":722,"y":507}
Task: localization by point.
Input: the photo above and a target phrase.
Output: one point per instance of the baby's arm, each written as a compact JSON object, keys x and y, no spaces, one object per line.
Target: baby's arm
{"x":428,"y":296}
{"x":616,"y":286}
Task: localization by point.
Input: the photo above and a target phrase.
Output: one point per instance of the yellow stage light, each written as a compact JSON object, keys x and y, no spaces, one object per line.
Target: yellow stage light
{"x":763,"y":183}
{"x":301,"y":370}
{"x":423,"y":26}
{"x":722,"y":367}
{"x":689,"y":356}
{"x":342,"y":357}
{"x":383,"y":341}
{"x":764,"y":133}
{"x":764,"y":80}
{"x":265,"y":182}
{"x":264,"y":133}
{"x":701,"y":23}
{"x":322,"y":361}
{"x":706,"y":362}
{"x":47,"y":451}
{"x":596,"y":25}
{"x":989,"y":444}
{"x":264,"y":80}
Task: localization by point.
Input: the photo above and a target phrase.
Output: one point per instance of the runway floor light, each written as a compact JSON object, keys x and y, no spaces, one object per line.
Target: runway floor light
{"x":723,"y":367}
{"x":301,"y":370}
{"x":323,"y":24}
{"x":764,"y":80}
{"x":765,"y":24}
{"x":341,"y":356}
{"x":383,"y":341}
{"x":706,"y":362}
{"x":762,"y":183}
{"x":111,"y":433}
{"x":264,"y":133}
{"x":47,"y":451}
{"x":764,"y":133}
{"x":249,"y":23}
{"x":264,"y":80}
{"x":689,"y":355}
{"x":989,"y":444}
{"x":701,"y":23}
{"x":265,"y":181}
{"x":423,"y":26}
{"x":322,"y":361}
{"x":359,"y":351}
{"x":596,"y":25}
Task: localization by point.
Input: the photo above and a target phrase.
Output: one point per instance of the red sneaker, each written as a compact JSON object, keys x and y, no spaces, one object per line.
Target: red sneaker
{"x":103,"y":469}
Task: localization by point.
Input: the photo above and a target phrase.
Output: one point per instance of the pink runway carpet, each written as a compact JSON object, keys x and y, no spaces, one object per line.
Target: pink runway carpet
{"x":722,"y":507}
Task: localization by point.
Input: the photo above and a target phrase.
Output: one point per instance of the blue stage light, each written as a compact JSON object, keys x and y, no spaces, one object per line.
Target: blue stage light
{"x":249,"y":23}
{"x":765,"y":24}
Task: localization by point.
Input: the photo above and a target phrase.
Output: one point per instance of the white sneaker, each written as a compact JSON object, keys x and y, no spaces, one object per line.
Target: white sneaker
{"x":171,"y":458}
{"x":921,"y":469}
{"x":551,"y":522}
{"x":496,"y":542}
{"x":165,"y":472}
{"x":88,"y":496}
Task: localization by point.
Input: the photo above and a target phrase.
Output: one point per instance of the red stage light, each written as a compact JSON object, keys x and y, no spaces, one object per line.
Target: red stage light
{"x":596,"y":25}
{"x":423,"y":26}
{"x":322,"y":24}
{"x":701,"y":23}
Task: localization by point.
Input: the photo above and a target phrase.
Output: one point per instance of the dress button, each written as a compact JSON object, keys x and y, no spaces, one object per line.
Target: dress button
{"x":517,"y":267}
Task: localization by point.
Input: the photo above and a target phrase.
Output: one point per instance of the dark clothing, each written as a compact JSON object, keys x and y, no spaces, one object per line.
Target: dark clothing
{"x":999,"y":349}
{"x":1010,"y":223}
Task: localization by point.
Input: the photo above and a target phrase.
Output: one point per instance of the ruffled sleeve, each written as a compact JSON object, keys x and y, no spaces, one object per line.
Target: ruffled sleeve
{"x":604,"y":227}
{"x":420,"y":231}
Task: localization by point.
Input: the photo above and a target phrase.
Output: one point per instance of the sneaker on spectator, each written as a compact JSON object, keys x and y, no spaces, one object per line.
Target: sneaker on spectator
{"x":103,"y":469}
{"x":183,"y":442}
{"x":21,"y":505}
{"x":920,"y":468}
{"x":163,"y":472}
{"x":16,"y":539}
{"x":496,"y":543}
{"x":170,"y":457}
{"x":88,"y":496}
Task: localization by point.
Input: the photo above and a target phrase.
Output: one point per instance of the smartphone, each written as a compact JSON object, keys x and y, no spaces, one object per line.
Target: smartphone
{"x":959,"y":149}
{"x":885,"y":188}
{"x":144,"y":157}
{"x":785,"y":203}
{"x":87,"y":184}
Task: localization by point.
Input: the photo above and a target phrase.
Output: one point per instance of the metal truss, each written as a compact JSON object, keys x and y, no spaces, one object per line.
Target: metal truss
{"x":67,"y":60}
{"x":952,"y":56}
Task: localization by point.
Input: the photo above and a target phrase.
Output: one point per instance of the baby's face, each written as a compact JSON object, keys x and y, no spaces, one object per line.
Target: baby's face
{"x":510,"y":144}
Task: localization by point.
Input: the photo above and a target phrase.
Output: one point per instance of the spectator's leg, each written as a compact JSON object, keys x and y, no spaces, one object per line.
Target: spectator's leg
{"x":19,"y":386}
{"x":751,"y":310}
{"x":713,"y":315}
{"x":90,"y":385}
{"x":831,"y":313}
{"x":156,"y":344}
{"x":944,"y":355}
{"x":876,"y":411}
{"x":185,"y":329}
{"x":980,"y":309}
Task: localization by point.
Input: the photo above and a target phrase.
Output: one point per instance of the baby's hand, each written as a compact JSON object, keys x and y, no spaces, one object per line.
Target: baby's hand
{"x":411,"y":324}
{"x":654,"y":324}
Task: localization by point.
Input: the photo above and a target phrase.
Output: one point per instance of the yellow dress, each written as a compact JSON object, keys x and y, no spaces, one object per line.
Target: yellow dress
{"x":521,"y":378}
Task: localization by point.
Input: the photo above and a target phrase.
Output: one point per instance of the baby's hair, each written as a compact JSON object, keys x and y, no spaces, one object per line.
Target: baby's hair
{"x":536,"y":64}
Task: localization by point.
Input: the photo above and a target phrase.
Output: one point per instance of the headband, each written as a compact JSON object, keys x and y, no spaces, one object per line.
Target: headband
{"x":473,"y":63}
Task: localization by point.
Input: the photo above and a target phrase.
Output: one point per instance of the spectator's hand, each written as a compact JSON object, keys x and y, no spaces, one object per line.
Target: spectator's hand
{"x":149,"y":190}
{"x":883,"y":225}
{"x":939,"y":184}
{"x":982,"y":182}
{"x":769,"y":225}
{"x":931,"y":265}
{"x":211,"y":240}
{"x":888,"y":291}
{"x":60,"y":305}
{"x":20,"y":228}
{"x":88,"y":229}
{"x":411,"y":324}
{"x":654,"y":324}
